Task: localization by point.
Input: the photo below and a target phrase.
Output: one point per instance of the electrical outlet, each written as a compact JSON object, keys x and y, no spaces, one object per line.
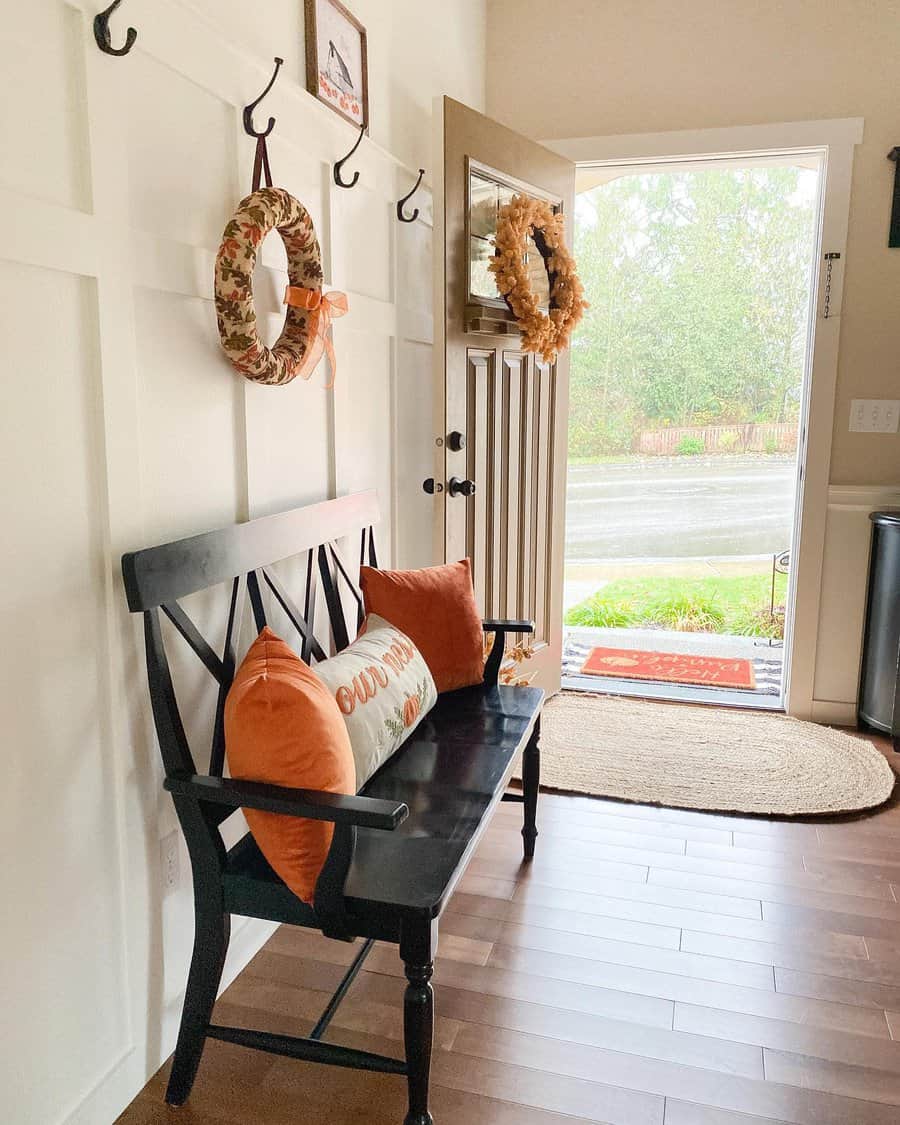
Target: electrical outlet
{"x":168,"y":854}
{"x":874,"y":415}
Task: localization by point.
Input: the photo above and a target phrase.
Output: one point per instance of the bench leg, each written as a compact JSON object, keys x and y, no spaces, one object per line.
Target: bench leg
{"x":418,"y":1029}
{"x":207,"y":962}
{"x":531,"y":782}
{"x":417,"y":951}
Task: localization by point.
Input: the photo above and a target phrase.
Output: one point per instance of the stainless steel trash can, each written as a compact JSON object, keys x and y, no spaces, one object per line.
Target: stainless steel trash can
{"x":881,"y":644}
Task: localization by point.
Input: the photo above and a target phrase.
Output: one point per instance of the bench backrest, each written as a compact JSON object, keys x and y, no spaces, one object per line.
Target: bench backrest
{"x":242,"y":558}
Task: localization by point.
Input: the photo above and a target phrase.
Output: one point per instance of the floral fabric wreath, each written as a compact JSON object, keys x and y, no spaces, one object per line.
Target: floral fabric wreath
{"x":544,"y":333}
{"x":305,"y":334}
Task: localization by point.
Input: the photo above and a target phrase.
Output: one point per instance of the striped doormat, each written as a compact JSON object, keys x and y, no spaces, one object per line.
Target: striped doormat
{"x":766,"y":666}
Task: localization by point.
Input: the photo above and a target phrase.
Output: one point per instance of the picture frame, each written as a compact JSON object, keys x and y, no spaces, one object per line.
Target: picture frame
{"x":337,"y":69}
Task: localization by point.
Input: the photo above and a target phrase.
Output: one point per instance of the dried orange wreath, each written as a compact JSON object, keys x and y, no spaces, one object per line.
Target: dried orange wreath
{"x":545,"y":333}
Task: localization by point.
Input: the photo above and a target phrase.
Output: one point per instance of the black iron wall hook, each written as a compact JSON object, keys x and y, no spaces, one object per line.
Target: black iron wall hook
{"x":101,"y":32}
{"x":410,"y":218}
{"x":248,"y":109}
{"x":894,"y":237}
{"x":340,"y":164}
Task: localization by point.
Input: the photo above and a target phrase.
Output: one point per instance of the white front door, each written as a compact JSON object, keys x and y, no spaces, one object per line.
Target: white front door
{"x":500,"y":413}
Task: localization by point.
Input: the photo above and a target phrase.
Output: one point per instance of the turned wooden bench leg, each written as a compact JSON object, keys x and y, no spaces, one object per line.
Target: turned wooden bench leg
{"x":208,"y":960}
{"x":531,"y":782}
{"x":418,"y":1029}
{"x":417,"y":948}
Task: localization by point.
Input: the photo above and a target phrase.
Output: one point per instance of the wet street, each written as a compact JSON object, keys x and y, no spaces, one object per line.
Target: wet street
{"x":669,"y":508}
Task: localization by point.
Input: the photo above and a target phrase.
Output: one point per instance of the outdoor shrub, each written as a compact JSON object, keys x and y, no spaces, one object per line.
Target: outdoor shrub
{"x":728,"y":441}
{"x":771,"y":445}
{"x":761,"y":623}
{"x":687,"y":612}
{"x":597,"y":613}
{"x":594,"y":436}
{"x":689,"y":446}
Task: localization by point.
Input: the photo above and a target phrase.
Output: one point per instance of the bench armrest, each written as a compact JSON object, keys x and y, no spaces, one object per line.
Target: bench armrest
{"x":507,"y":626}
{"x":364,"y":812}
{"x":495,"y":657}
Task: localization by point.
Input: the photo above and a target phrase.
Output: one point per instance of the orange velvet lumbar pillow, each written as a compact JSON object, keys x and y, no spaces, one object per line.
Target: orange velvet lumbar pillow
{"x":283,"y":726}
{"x":435,"y":607}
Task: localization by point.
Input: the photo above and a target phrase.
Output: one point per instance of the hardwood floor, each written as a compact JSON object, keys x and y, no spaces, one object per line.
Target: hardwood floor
{"x":651,"y":967}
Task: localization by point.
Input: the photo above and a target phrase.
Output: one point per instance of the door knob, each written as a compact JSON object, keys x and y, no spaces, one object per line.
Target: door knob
{"x":431,"y":486}
{"x":456,"y":440}
{"x":459,"y":487}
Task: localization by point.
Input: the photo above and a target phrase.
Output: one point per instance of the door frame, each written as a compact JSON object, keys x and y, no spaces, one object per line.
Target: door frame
{"x":836,"y":140}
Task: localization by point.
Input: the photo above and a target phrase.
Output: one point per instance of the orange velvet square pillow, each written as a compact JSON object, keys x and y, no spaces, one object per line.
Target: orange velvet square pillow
{"x":283,"y":726}
{"x":436,"y":609}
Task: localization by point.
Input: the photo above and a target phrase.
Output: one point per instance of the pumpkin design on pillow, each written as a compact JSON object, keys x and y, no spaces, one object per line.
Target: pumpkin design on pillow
{"x":405,"y":718}
{"x":411,"y":709}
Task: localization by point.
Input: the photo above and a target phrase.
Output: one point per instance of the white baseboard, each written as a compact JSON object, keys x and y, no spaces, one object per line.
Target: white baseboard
{"x":123,"y":1083}
{"x":833,"y":713}
{"x":114,"y":1092}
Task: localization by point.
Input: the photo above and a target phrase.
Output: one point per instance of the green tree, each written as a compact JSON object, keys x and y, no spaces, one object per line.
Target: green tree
{"x":699,"y":290}
{"x":602,"y":409}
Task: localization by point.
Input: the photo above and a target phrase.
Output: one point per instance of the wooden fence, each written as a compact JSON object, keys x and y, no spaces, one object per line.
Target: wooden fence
{"x":749,"y":437}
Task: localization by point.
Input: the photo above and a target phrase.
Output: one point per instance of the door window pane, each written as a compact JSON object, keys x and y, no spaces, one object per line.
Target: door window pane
{"x":481,"y":280}
{"x":483,"y":209}
{"x":537,"y":273}
{"x":486,"y":197}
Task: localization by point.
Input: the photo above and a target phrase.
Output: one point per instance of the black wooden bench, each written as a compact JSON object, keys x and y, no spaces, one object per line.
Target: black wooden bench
{"x":399,"y":847}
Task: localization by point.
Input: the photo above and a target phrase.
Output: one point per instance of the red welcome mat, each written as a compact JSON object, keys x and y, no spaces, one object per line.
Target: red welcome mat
{"x":670,"y":667}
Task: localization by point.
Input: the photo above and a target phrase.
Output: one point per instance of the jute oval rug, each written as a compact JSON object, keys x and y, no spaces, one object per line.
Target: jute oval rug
{"x":707,"y":758}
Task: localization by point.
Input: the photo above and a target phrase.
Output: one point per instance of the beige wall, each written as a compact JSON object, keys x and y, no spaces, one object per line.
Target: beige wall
{"x":597,"y":68}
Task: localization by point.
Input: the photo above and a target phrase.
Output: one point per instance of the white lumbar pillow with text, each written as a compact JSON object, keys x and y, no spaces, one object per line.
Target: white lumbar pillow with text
{"x":383,"y":688}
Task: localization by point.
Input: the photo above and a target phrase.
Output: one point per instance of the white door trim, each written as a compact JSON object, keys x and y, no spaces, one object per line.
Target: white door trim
{"x":731,"y":141}
{"x":835,"y":140}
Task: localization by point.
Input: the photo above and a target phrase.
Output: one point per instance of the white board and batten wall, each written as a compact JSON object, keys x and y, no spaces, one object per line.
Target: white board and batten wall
{"x":123,"y":425}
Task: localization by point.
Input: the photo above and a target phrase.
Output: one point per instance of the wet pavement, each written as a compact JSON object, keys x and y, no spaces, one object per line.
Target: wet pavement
{"x":683,"y":507}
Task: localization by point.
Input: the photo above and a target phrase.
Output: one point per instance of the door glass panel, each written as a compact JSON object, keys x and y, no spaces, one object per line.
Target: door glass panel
{"x":486,"y":197}
{"x":481,"y":280}
{"x":483,"y":208}
{"x":537,"y":274}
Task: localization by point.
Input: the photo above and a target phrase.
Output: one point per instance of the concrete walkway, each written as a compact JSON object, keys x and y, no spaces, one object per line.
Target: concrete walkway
{"x":667,"y":640}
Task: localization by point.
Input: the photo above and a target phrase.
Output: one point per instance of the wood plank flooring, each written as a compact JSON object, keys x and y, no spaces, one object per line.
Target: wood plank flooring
{"x":651,"y":967}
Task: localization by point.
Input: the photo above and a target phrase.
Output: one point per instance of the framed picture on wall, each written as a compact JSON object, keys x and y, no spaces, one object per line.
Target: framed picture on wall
{"x":337,"y":69}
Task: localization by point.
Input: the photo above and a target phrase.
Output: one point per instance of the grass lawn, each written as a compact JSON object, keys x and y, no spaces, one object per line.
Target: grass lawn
{"x":734,"y":604}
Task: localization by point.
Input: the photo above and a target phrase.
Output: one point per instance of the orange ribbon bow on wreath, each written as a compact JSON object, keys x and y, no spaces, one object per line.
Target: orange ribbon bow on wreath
{"x":324,"y":307}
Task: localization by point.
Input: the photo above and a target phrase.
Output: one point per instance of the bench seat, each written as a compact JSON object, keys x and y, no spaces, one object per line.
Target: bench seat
{"x":449,"y":773}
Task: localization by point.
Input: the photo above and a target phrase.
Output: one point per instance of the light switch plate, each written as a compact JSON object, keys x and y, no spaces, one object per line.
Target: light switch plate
{"x":874,"y":415}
